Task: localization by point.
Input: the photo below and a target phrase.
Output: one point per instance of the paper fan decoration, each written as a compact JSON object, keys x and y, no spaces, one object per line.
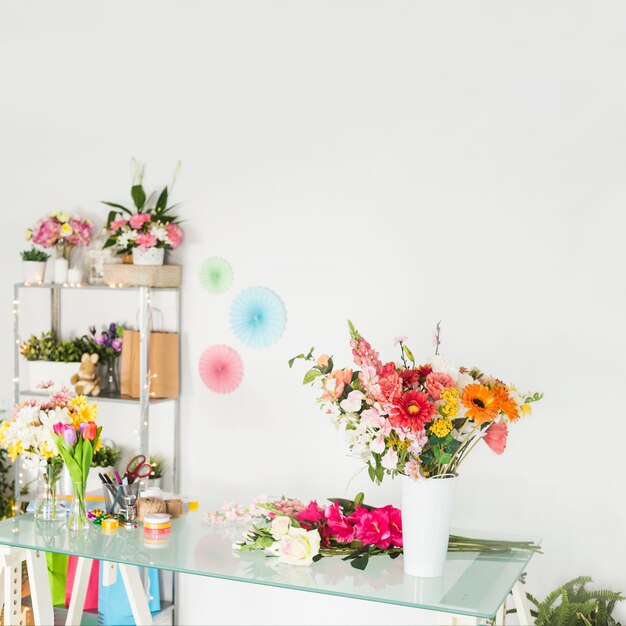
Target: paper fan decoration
{"x":216,"y":275}
{"x":258,"y":317}
{"x":221,"y":369}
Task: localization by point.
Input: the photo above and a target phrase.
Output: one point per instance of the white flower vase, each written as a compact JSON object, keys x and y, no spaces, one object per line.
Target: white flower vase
{"x":427,"y":506}
{"x":60,"y":271}
{"x":148,"y":256}
{"x":33,"y":272}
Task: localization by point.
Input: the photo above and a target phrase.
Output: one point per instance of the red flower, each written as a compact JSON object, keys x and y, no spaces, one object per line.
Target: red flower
{"x":389,"y":383}
{"x":90,"y":431}
{"x":325,"y":535}
{"x":412,"y":411}
{"x":424,"y":370}
{"x":373,"y":529}
{"x":338,"y":524}
{"x":495,"y":437}
{"x":409,"y":377}
{"x":312,"y":514}
{"x":395,"y":525}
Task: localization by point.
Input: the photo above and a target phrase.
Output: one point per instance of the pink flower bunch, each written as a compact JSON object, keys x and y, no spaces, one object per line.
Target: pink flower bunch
{"x":46,"y":232}
{"x":81,"y":232}
{"x":61,"y":229}
{"x":143,"y":231}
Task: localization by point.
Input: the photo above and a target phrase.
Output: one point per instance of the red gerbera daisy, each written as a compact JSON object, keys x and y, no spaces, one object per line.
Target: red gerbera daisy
{"x":412,"y":411}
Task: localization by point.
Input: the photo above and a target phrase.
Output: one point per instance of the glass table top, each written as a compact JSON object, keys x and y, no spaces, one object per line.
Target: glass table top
{"x":473,"y":584}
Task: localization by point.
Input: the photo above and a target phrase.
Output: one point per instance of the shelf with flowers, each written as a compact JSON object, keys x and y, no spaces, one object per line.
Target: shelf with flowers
{"x":418,"y":421}
{"x":46,"y":434}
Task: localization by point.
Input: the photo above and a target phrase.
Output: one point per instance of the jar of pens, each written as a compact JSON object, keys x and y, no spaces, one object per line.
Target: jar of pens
{"x":121,"y":492}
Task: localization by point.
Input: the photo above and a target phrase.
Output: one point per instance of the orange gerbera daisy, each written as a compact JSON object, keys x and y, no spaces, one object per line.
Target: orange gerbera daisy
{"x":480,"y":403}
{"x":506,"y":404}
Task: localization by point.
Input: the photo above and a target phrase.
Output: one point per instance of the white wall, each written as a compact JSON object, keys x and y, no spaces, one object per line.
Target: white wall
{"x":392,"y":162}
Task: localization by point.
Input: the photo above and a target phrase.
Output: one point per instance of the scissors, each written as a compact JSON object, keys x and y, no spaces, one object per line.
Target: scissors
{"x":137,"y":468}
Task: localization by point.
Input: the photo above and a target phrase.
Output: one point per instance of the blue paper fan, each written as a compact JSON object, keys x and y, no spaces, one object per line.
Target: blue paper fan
{"x":216,"y":275}
{"x":258,"y":317}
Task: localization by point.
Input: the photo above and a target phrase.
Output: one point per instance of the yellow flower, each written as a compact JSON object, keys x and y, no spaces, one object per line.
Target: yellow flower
{"x":441,"y":427}
{"x":62,"y":217}
{"x":525,"y":409}
{"x":15,"y":449}
{"x":66,"y":230}
{"x":28,"y":234}
{"x":47,"y":450}
{"x":3,"y":431}
{"x":78,"y":401}
{"x":98,"y":445}
{"x":85,"y":413}
{"x":450,"y":405}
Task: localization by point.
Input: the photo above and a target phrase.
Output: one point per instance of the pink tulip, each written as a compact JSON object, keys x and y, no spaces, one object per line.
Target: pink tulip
{"x":495,"y":437}
{"x":58,"y":428}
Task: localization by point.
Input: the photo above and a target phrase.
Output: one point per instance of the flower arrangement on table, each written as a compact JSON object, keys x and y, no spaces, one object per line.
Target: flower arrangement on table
{"x":61,"y":231}
{"x":33,"y":433}
{"x":146,"y":227}
{"x":419,"y":420}
{"x":300,"y":534}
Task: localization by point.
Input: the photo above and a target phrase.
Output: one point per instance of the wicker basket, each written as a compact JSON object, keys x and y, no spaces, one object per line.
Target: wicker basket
{"x":124,"y":275}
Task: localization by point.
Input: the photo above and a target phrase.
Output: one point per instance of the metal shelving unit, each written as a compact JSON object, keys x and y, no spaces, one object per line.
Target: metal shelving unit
{"x":144,"y":402}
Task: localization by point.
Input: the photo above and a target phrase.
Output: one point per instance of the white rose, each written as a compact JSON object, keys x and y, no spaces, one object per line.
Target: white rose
{"x":299,"y":547}
{"x":280,"y":526}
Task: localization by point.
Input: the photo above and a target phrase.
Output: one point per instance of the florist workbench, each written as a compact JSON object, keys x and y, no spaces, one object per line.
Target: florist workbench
{"x":474,"y":587}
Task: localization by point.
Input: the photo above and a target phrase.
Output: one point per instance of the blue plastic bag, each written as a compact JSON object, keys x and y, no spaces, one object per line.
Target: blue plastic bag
{"x":113,"y":604}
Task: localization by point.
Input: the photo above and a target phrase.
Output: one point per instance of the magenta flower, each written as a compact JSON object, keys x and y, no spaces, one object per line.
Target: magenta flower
{"x":373,"y":529}
{"x":312,"y":514}
{"x":359,"y":512}
{"x":338,"y":523}
{"x":69,"y":434}
{"x":395,"y":525}
{"x":58,"y":428}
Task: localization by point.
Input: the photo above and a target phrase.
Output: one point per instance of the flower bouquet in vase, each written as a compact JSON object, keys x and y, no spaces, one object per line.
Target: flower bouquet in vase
{"x":418,"y":421}
{"x":76,"y":440}
{"x":29,"y":435}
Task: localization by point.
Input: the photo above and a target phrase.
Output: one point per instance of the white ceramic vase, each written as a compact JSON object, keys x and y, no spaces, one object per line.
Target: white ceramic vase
{"x":60,"y":271}
{"x":149,"y":256}
{"x":427,"y":506}
{"x":33,"y":272}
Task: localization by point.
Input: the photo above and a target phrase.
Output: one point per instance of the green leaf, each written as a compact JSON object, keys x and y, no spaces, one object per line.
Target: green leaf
{"x":318,"y":557}
{"x":372,"y":473}
{"x":358,"y":500}
{"x":294,"y":359}
{"x":117,"y":206}
{"x":162,"y":201}
{"x":310,"y":376}
{"x":111,"y":217}
{"x":138,"y":195}
{"x":360,"y":562}
{"x":86,"y":461}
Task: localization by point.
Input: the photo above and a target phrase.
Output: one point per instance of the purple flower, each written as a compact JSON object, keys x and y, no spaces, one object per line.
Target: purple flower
{"x":101,"y":340}
{"x":116,"y":344}
{"x":82,"y":427}
{"x":69,"y":434}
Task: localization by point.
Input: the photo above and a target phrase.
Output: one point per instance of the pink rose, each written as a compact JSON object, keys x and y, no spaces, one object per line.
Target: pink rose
{"x":146,"y":240}
{"x":47,"y":232}
{"x":373,"y":529}
{"x":339,"y":525}
{"x":138,"y":220}
{"x":82,"y":230}
{"x":436,"y":382}
{"x":312,"y":514}
{"x":175,"y":234}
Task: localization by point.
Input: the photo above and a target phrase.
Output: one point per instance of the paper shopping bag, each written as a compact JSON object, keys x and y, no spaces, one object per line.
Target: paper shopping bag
{"x":91,"y":598}
{"x":57,"y":573}
{"x":162,"y":363}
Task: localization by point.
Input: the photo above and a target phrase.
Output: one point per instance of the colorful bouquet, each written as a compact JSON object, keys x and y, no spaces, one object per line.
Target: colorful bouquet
{"x":419,"y":420}
{"x":145,"y":227}
{"x":301,"y":534}
{"x":62,"y":231}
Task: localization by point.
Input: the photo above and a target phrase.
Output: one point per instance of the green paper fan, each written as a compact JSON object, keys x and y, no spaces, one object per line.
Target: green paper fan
{"x":216,"y":275}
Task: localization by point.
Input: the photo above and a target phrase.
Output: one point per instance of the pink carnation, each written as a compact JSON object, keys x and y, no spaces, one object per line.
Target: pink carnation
{"x":146,"y":240}
{"x":116,"y":225}
{"x":436,"y":382}
{"x":338,"y":523}
{"x":138,"y":220}
{"x":175,"y":234}
{"x":46,"y":232}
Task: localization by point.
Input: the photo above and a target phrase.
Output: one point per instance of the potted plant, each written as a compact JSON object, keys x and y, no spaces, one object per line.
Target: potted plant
{"x":149,"y":229}
{"x":61,"y":231}
{"x":34,"y":265}
{"x":49,"y":363}
{"x":155,"y":480}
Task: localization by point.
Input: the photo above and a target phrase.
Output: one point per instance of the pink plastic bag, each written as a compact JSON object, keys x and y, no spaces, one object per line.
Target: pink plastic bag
{"x":91,"y":599}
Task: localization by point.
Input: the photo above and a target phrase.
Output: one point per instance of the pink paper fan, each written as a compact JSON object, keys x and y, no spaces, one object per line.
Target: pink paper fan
{"x":221,"y":369}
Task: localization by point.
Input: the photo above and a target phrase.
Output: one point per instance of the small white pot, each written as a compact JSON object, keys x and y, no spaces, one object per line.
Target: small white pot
{"x":35,"y":372}
{"x":60,"y":271}
{"x":75,"y":276}
{"x":34,"y":272}
{"x":427,"y":506}
{"x":149,"y":256}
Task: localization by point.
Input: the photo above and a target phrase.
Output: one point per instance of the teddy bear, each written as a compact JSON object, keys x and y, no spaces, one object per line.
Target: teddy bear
{"x":86,"y":380}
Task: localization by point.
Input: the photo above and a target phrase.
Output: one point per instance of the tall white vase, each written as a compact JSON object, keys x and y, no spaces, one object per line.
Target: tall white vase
{"x":60,"y":271}
{"x":427,"y":506}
